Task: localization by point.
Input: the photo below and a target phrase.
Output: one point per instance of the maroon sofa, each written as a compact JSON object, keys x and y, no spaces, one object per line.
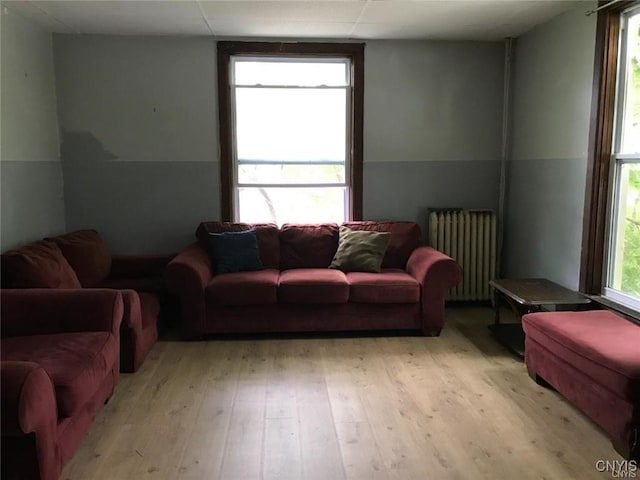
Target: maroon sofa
{"x":59,"y":364}
{"x":82,"y":260}
{"x":593,"y":359}
{"x":296,"y":292}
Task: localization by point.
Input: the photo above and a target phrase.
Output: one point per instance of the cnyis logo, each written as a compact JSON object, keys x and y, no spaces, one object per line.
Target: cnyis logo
{"x":618,"y":468}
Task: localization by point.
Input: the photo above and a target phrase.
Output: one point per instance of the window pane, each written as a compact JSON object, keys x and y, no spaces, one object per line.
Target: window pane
{"x":291,"y":174}
{"x":308,"y":74}
{"x":631,"y":120}
{"x":291,"y":124}
{"x":626,"y":247}
{"x":293,"y":205}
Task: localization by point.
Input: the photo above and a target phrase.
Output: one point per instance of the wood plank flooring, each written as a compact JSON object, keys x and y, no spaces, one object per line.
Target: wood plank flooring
{"x":458,"y":406}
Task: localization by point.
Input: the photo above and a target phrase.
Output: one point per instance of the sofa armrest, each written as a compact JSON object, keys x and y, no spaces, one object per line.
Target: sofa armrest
{"x":187,"y":276}
{"x":28,"y":408}
{"x":436,"y":273}
{"x":135,"y":266}
{"x":41,"y":311}
{"x":190,"y":270}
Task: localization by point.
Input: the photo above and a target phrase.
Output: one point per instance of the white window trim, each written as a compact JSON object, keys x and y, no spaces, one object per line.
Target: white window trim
{"x":236,"y":162}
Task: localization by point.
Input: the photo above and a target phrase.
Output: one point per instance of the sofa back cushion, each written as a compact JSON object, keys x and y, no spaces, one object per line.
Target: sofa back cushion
{"x":405,"y":238}
{"x":266,"y":233}
{"x":87,"y":254}
{"x":37,"y":265}
{"x":307,"y":245}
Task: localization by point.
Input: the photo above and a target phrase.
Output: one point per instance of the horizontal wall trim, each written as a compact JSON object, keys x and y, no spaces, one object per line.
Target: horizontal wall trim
{"x":551,"y":159}
{"x":29,"y":160}
{"x":395,"y":162}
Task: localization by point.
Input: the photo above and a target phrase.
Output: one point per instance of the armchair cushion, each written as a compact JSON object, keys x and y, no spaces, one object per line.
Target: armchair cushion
{"x":142,"y":284}
{"x":38,"y":265}
{"x":87,"y":254}
{"x":76,"y":362}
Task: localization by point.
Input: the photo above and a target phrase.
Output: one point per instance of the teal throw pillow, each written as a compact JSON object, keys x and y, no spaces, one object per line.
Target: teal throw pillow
{"x":235,"y":251}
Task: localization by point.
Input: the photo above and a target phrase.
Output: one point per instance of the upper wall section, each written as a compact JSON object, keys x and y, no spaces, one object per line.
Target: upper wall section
{"x":29,"y":120}
{"x":139,"y":117}
{"x":433,"y":101}
{"x":30,"y":171}
{"x":552,"y":101}
{"x":137,"y":98}
{"x":553,"y":79}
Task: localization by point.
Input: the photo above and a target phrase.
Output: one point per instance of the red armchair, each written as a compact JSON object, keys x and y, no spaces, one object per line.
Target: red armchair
{"x":81,"y":260}
{"x":59,"y":364}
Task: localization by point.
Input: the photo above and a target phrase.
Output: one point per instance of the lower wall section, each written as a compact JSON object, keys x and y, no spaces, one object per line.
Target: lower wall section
{"x":142,"y":207}
{"x":32,"y":201}
{"x":155,"y":207}
{"x":406,"y":190}
{"x":543,"y":234}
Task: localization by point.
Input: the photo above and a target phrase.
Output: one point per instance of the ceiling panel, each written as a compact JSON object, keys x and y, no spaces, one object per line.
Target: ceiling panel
{"x":280,"y":29}
{"x":362,"y":19}
{"x":286,"y":11}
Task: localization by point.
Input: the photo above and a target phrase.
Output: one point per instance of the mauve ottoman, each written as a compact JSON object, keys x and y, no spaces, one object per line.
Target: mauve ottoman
{"x":593,"y":359}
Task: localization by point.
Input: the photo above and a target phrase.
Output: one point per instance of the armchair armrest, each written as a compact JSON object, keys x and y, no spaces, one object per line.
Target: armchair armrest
{"x":28,"y":398}
{"x":186,"y":276}
{"x":436,"y":273}
{"x":135,"y":266}
{"x":132,"y":310}
{"x":40,"y":311}
{"x":28,"y":406}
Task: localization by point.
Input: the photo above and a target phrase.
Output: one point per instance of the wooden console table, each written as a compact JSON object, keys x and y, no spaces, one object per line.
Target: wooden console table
{"x":524,"y":296}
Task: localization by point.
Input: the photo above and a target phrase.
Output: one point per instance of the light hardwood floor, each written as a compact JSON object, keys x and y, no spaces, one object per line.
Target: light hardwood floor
{"x":457,"y":406}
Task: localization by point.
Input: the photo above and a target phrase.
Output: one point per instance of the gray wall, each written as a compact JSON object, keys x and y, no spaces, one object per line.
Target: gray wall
{"x":30,"y":170}
{"x":140,"y":133}
{"x":139,"y":138}
{"x":432,"y":125}
{"x":546,"y":186}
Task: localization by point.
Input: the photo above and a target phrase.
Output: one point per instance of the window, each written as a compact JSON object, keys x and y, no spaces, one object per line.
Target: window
{"x":623,"y":257}
{"x":291,"y":131}
{"x":610,"y":263}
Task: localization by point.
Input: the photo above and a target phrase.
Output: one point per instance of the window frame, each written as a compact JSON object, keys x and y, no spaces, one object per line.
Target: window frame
{"x":354,"y":52}
{"x":619,"y":159}
{"x":600,"y":174}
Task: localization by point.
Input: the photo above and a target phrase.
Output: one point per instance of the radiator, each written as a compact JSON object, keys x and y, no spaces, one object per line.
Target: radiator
{"x":469,"y":237}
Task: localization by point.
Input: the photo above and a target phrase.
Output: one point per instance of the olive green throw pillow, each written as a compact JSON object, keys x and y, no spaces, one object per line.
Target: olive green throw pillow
{"x":360,"y":250}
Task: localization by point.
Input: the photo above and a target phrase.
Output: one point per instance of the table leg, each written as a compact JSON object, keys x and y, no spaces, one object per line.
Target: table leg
{"x":496,"y":306}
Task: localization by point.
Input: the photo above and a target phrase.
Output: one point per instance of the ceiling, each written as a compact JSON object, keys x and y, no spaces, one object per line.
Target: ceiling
{"x":345,"y":19}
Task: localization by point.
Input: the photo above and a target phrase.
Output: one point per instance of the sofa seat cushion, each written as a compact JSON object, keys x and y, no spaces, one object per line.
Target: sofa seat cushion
{"x":76,"y":362}
{"x":391,"y":285}
{"x":243,"y":288}
{"x":154,"y":284}
{"x":599,"y":343}
{"x":313,"y":285}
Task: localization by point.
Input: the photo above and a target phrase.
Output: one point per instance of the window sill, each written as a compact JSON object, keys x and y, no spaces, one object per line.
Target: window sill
{"x":618,"y":307}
